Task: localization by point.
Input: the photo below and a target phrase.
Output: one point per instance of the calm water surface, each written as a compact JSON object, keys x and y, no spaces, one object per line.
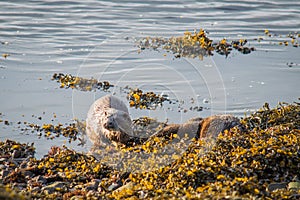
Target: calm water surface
{"x":96,"y":39}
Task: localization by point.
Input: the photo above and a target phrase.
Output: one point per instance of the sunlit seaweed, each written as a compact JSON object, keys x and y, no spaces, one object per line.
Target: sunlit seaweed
{"x":262,"y":162}
{"x":72,"y":131}
{"x":198,"y":44}
{"x":193,"y":45}
{"x":149,"y":100}
{"x":137,"y":98}
{"x":69,"y":81}
{"x":5,"y":55}
{"x":290,"y":38}
{"x":241,"y":164}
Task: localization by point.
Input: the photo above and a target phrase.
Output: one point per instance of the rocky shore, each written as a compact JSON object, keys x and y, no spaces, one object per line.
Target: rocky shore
{"x":262,"y":162}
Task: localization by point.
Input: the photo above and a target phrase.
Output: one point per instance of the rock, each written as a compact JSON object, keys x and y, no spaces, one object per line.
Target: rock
{"x":91,"y":193}
{"x":16,"y":154}
{"x":276,"y":186}
{"x":28,"y":174}
{"x":77,"y":197}
{"x":40,"y":179}
{"x":20,"y":186}
{"x":113,"y":186}
{"x":126,"y":186}
{"x":35,"y":190}
{"x":294,"y":186}
{"x":56,"y":186}
{"x":4,"y":173}
{"x":93,"y":185}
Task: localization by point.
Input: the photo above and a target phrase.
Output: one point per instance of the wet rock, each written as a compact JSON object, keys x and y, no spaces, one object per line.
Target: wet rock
{"x":276,"y":186}
{"x":28,"y":174}
{"x":19,"y":186}
{"x":294,"y":186}
{"x":56,"y":186}
{"x":3,"y":159}
{"x":113,"y":186}
{"x":91,"y":193}
{"x":40,"y":179}
{"x":16,"y":154}
{"x":125,"y":186}
{"x":35,"y":190}
{"x":4,"y":173}
{"x":77,"y":197}
{"x":93,"y":185}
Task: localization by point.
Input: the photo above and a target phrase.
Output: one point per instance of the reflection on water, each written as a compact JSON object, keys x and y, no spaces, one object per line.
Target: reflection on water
{"x":96,"y":39}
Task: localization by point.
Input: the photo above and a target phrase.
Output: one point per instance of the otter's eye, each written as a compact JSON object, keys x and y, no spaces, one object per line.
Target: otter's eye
{"x":110,"y":124}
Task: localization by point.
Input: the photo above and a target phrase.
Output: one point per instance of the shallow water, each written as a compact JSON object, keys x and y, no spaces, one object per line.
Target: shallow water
{"x":96,"y":39}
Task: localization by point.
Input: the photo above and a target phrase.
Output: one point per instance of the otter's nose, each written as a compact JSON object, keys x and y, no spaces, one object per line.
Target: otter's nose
{"x":109,"y":125}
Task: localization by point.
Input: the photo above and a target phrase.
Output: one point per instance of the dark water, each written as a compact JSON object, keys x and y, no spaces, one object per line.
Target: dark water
{"x":96,"y":39}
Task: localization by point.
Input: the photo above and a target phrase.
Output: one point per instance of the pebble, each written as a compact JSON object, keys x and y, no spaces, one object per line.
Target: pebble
{"x":276,"y":186}
{"x":113,"y":186}
{"x":294,"y":186}
{"x":56,"y":186}
{"x":93,"y":185}
{"x":77,"y":197}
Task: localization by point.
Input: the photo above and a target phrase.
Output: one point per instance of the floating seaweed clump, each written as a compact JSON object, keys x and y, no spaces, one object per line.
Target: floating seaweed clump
{"x":290,"y":38}
{"x":137,"y":98}
{"x":75,"y":82}
{"x":149,"y":100}
{"x":193,"y":45}
{"x":262,"y":162}
{"x":72,"y":131}
{"x":198,"y":44}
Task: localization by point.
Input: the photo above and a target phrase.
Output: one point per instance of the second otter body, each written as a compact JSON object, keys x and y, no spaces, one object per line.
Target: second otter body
{"x":201,"y":128}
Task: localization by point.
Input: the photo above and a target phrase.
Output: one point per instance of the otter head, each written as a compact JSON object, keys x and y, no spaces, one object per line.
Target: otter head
{"x":116,"y":125}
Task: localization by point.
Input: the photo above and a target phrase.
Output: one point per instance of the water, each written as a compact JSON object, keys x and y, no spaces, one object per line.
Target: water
{"x":96,"y":39}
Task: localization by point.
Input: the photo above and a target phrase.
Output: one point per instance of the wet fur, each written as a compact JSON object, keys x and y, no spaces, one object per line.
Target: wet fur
{"x":108,"y":121}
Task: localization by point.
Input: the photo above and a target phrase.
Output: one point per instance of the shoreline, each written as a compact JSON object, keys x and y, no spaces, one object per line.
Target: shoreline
{"x":262,"y":162}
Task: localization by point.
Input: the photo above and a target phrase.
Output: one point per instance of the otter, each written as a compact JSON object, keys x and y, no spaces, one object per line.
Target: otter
{"x":201,"y":128}
{"x":108,"y":121}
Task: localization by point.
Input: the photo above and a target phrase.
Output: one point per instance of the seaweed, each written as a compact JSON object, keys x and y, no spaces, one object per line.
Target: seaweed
{"x":262,"y":161}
